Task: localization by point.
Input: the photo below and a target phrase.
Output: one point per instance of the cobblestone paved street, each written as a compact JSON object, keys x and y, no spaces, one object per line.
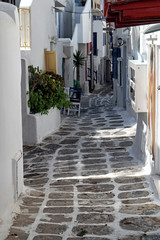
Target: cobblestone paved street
{"x":82,"y":183}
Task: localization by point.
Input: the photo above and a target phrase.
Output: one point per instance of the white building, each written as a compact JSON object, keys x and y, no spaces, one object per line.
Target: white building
{"x":38,"y":32}
{"x":82,"y":26}
{"x":11,"y":163}
{"x":38,"y":38}
{"x":136,"y":57}
{"x":76,"y":35}
{"x":99,"y":50}
{"x":39,"y":24}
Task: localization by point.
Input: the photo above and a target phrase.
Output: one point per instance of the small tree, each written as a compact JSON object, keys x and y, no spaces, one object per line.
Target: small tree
{"x":78,"y":61}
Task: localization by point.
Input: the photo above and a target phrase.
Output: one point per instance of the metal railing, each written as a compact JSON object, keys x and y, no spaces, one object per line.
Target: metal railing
{"x":24,"y":27}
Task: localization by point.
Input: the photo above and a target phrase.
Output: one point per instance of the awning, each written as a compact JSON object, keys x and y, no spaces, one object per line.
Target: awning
{"x":127,"y":13}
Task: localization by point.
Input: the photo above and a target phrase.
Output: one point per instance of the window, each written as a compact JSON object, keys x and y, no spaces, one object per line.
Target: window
{"x":116,"y":54}
{"x":24,"y":24}
{"x":95,"y":43}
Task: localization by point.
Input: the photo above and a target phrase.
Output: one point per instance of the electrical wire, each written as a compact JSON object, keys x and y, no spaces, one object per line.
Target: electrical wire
{"x":75,"y":12}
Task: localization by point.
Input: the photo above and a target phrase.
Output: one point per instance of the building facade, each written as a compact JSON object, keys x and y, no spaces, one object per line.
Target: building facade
{"x":135,"y":59}
{"x":11,"y":164}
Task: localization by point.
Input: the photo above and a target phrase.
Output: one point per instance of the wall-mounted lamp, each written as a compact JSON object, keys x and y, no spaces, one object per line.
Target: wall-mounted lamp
{"x":120,"y":41}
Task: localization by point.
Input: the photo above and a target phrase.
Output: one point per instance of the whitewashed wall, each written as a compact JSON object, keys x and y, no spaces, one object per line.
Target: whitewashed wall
{"x":68,"y":16}
{"x":85,"y":24}
{"x":36,"y":126}
{"x":80,"y":34}
{"x":82,"y":30}
{"x":74,"y":42}
{"x":99,"y":59}
{"x":43,"y":28}
{"x":68,"y":61}
{"x":98,"y":27}
{"x":58,"y":46}
{"x":43,"y":37}
{"x":10,"y":108}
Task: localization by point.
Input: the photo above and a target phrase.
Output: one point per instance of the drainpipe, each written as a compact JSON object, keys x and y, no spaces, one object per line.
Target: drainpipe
{"x":91,"y":59}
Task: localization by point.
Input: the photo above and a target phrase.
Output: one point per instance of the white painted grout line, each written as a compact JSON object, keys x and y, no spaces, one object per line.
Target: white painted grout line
{"x":43,"y":205}
{"x":74,"y":216}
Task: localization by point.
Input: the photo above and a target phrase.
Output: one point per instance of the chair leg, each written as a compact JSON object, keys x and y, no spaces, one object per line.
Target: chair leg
{"x":79,"y":109}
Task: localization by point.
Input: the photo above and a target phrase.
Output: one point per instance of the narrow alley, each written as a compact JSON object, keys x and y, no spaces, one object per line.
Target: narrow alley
{"x":83,"y":182}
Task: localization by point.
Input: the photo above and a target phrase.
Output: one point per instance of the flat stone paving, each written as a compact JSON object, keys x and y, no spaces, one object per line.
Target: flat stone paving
{"x":82,"y":183}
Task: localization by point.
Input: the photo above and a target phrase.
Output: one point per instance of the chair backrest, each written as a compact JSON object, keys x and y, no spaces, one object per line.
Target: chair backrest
{"x":75,"y":94}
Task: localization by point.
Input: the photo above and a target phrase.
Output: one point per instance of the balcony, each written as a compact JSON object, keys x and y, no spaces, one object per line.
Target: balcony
{"x":96,"y":8}
{"x":24,"y":27}
{"x":97,"y":5}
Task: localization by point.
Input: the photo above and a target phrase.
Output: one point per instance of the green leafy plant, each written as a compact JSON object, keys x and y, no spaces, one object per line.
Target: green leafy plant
{"x":45,"y":91}
{"x":78,"y":61}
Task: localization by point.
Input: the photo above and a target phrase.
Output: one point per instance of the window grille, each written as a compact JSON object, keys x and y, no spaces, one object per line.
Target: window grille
{"x":24,"y":26}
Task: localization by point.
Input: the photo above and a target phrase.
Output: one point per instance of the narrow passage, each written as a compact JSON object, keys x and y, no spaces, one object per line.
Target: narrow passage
{"x":83,"y":183}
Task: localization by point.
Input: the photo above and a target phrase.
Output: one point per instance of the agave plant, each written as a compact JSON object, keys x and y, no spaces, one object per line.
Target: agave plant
{"x":78,"y":61}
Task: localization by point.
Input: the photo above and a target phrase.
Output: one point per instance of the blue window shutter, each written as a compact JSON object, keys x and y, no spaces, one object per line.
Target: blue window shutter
{"x":95,"y":43}
{"x":116,"y":54}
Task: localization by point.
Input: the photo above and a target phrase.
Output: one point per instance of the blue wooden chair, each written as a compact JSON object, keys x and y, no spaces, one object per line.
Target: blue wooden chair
{"x":75,"y":99}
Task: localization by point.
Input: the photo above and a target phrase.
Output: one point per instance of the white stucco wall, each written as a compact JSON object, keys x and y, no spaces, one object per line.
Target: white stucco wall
{"x":68,"y":16}
{"x":99,"y":64}
{"x":82,"y":30}
{"x":36,"y":126}
{"x":67,"y":50}
{"x":10,"y":107}
{"x":40,"y":126}
{"x":98,"y":27}
{"x":79,"y":10}
{"x":74,"y":42}
{"x":58,"y":46}
{"x":43,"y":37}
{"x":43,"y":28}
{"x":85,"y":24}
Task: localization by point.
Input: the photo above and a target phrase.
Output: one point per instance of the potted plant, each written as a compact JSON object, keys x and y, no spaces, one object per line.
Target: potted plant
{"x":46,"y":91}
{"x":46,"y":97}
